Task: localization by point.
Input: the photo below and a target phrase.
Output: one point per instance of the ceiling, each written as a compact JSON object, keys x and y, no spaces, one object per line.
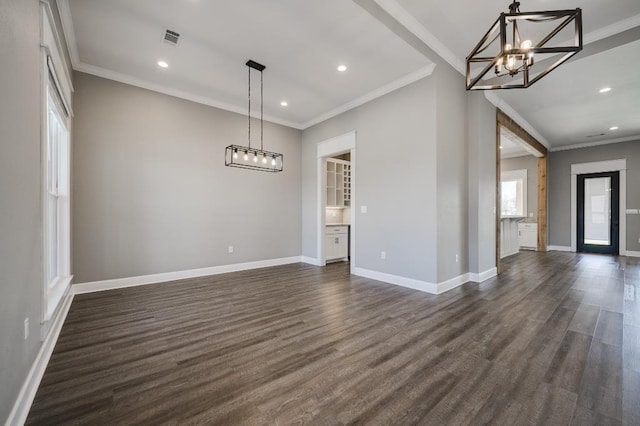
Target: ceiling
{"x":302,"y":43}
{"x":511,"y":145}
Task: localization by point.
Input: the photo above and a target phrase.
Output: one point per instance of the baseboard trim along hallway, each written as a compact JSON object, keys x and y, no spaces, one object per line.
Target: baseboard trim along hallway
{"x":91,"y":287}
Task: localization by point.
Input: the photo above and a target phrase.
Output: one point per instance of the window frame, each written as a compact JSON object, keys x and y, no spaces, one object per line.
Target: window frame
{"x":514,"y":176}
{"x":56,"y":91}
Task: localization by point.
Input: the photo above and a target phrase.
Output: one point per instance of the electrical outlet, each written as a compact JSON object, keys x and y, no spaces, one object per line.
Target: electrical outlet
{"x":457,"y":258}
{"x":230,"y":249}
{"x":363,"y":209}
{"x":26,"y":328}
{"x":383,"y":255}
{"x":334,"y":214}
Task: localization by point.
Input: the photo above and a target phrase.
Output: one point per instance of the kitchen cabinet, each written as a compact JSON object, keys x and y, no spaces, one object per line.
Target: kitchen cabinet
{"x":528,"y":235}
{"x":336,"y":243}
{"x":338,"y":183}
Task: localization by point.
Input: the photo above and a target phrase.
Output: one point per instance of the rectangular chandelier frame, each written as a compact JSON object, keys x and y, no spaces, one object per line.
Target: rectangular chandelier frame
{"x":238,"y":160}
{"x":572,"y":15}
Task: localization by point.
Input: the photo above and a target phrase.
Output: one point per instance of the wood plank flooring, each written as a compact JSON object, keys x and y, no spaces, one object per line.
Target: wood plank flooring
{"x":554,"y":340}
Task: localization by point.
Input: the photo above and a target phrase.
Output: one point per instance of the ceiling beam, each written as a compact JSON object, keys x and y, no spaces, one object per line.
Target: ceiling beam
{"x":393,"y":16}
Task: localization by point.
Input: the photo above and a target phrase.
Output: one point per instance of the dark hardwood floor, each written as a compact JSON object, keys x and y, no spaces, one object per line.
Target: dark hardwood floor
{"x":554,"y":340}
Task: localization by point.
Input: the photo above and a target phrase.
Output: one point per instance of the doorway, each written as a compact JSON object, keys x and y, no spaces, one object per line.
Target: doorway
{"x":598,"y":211}
{"x":336,"y":184}
{"x":531,"y":224}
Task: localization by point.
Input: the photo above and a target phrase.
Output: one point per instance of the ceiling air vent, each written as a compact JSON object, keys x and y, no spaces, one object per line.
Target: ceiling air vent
{"x":595,"y":136}
{"x":171,"y":37}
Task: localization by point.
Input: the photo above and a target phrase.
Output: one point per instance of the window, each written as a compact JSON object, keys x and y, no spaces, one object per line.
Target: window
{"x":56,"y":215}
{"x":514,"y":193}
{"x":56,"y":89}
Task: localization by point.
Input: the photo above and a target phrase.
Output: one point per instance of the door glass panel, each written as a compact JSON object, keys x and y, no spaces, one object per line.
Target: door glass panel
{"x":597,"y":211}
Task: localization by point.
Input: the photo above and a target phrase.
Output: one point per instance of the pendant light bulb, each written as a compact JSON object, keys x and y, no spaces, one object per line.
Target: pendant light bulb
{"x":235,"y":154}
{"x":526,"y":45}
{"x":246,"y":156}
{"x":255,"y":157}
{"x":264,"y":158}
{"x":273,"y":161}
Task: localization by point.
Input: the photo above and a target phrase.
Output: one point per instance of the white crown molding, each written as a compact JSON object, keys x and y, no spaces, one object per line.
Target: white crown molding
{"x":613,"y":29}
{"x":381,"y":91}
{"x":596,"y":143}
{"x":22,"y":405}
{"x":134,"y":81}
{"x":498,"y":102}
{"x":400,"y":14}
{"x":69,"y":31}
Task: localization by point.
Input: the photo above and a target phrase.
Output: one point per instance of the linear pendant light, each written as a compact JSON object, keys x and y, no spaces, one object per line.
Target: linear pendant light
{"x":513,"y":63}
{"x":247,"y":157}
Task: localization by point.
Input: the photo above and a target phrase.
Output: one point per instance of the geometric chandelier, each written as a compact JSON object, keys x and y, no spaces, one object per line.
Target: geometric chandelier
{"x":246,"y":157}
{"x":521,"y":48}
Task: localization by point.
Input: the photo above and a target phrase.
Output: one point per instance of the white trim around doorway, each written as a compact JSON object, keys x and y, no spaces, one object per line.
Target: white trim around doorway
{"x":328,"y":148}
{"x":600,"y":167}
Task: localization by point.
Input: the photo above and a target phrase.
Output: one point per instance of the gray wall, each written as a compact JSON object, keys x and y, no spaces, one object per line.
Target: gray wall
{"x":151,"y":193}
{"x":481,"y":141}
{"x":395,"y":173}
{"x":20,"y":227}
{"x":560,"y":188}
{"x":452,"y":173}
{"x":530,"y":163}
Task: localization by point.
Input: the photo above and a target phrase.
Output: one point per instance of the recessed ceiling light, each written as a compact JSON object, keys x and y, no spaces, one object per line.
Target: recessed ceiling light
{"x":284,"y":103}
{"x":605,"y":89}
{"x":163,"y":64}
{"x":342,"y":68}
{"x":613,"y":128}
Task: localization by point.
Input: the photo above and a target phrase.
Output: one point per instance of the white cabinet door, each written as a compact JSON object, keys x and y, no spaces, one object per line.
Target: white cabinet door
{"x":528,"y":235}
{"x":335,"y":246}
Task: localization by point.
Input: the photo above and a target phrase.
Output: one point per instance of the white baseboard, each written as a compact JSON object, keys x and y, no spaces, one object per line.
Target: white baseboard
{"x":426,"y":286}
{"x":452,"y":283}
{"x":509,"y":253}
{"x":90,"y":287}
{"x":397,"y":280}
{"x":559,"y":248}
{"x":310,"y":260}
{"x":21,"y":407}
{"x":632,"y":253}
{"x":483,"y":276}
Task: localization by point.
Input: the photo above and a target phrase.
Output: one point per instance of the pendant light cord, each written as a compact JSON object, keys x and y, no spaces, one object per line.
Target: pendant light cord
{"x":261,"y":111}
{"x":249,"y":114}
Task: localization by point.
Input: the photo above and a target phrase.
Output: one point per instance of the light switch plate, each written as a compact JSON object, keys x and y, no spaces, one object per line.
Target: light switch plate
{"x":363,"y":209}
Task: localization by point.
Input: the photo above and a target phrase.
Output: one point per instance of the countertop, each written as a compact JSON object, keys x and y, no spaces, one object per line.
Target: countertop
{"x":338,"y":224}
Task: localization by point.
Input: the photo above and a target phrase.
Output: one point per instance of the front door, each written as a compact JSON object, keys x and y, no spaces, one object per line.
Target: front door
{"x":598,"y":212}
